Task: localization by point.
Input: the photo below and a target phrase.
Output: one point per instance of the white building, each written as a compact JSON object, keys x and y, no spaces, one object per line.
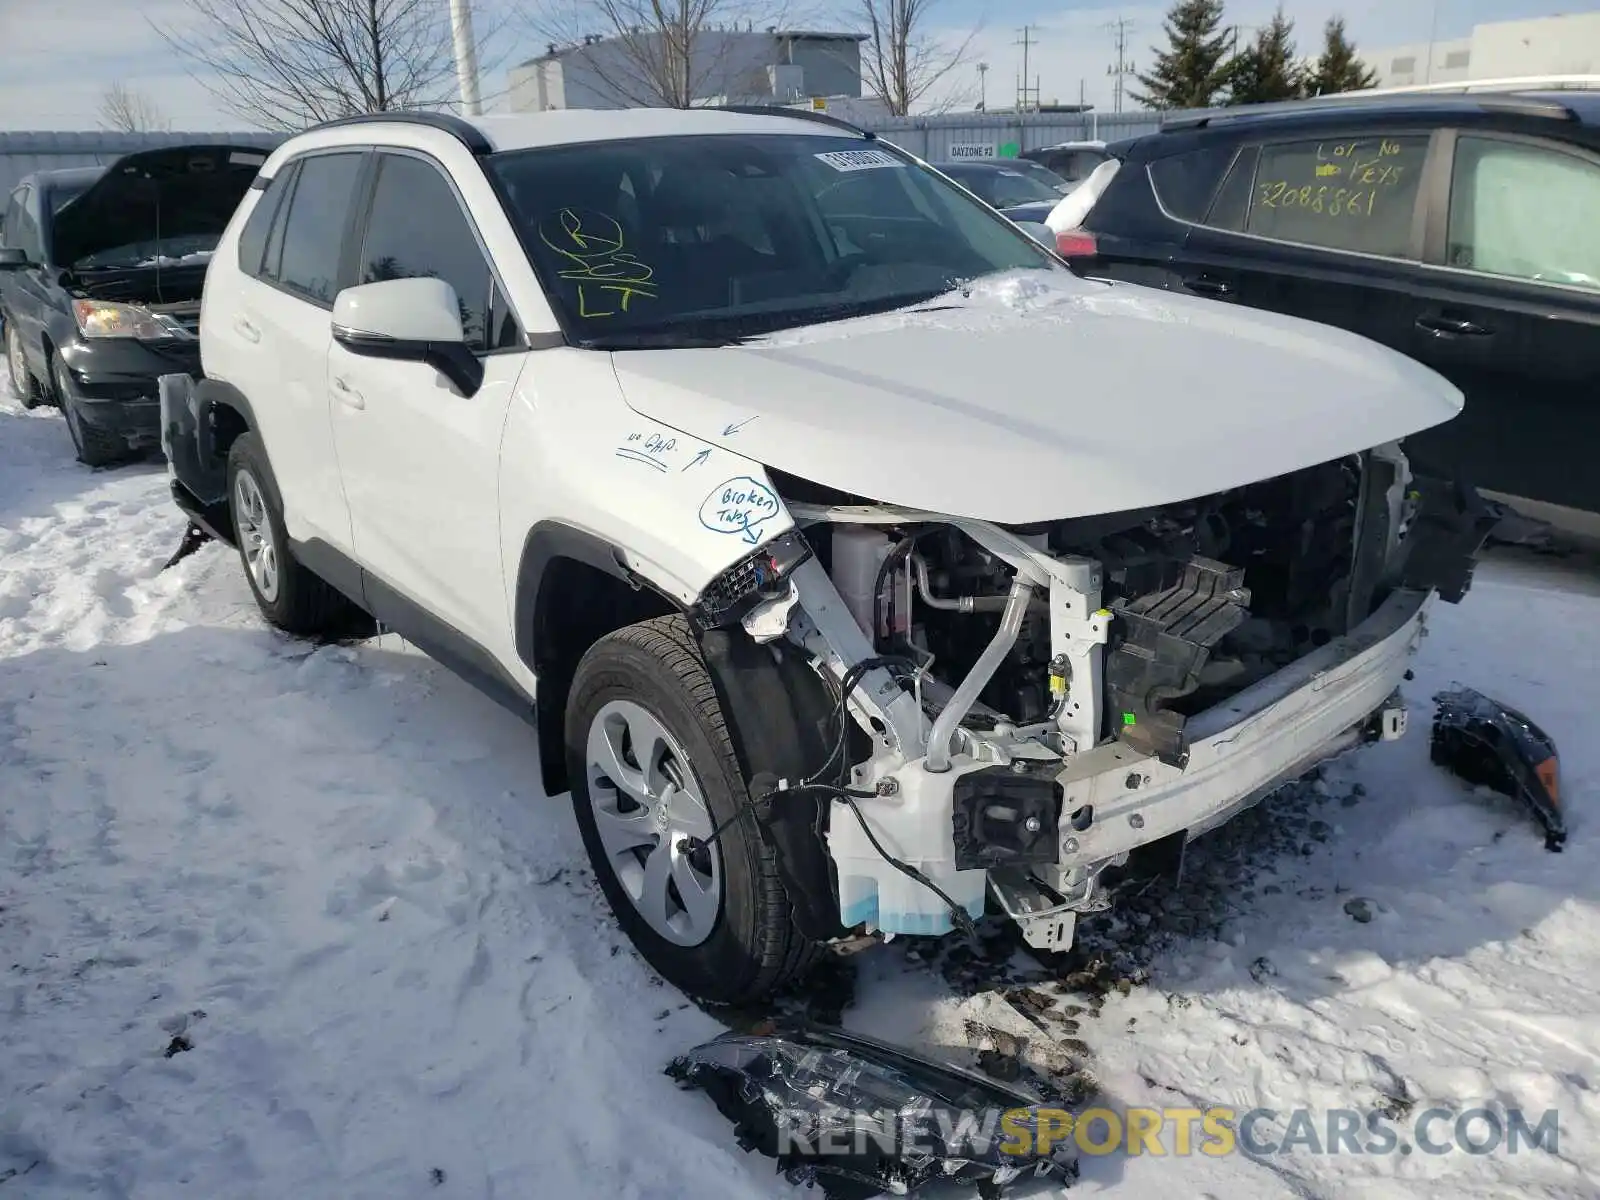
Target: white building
{"x":1560,"y":45}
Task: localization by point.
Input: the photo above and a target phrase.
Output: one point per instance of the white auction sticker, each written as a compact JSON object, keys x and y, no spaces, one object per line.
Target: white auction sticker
{"x":859,"y":160}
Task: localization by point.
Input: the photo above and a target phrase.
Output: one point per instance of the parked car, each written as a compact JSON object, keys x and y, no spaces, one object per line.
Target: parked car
{"x":714,"y":444}
{"x":1072,"y":161}
{"x":1022,"y":191}
{"x":1458,"y":229}
{"x":100,"y":278}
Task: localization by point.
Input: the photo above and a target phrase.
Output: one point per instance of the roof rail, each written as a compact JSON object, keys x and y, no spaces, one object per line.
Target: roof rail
{"x":1507,"y":102}
{"x":799,"y":114}
{"x":465,"y":132}
{"x":1515,"y":83}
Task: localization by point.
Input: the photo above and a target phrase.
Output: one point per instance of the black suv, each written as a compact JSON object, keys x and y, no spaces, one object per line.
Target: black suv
{"x":1462,"y":230}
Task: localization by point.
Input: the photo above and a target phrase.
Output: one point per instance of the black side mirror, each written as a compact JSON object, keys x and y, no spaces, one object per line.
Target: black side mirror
{"x":13,"y":258}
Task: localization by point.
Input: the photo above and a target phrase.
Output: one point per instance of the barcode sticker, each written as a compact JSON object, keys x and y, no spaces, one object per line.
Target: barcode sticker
{"x":859,"y":160}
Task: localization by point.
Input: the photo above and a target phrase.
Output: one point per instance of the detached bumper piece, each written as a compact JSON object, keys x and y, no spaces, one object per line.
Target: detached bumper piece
{"x":1166,"y":639}
{"x":1489,"y":744}
{"x":1441,"y":547}
{"x":858,"y":1117}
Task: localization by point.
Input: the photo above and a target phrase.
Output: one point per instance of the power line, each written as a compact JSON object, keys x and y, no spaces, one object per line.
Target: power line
{"x":1122,"y":68}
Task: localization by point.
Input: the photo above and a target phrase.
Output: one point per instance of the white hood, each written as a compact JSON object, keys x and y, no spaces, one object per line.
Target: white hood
{"x":1042,"y":397}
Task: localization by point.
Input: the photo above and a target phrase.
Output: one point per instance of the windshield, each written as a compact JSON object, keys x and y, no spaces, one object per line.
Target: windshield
{"x":674,"y":240}
{"x":1005,"y":186}
{"x":1043,"y":174}
{"x":63,"y":194}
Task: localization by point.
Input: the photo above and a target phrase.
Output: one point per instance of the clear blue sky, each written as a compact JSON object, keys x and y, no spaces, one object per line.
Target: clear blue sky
{"x":60,"y":55}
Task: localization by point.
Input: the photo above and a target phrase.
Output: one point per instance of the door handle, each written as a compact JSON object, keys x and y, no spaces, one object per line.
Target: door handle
{"x":1205,"y":286}
{"x":348,"y":396}
{"x":1442,"y":326}
{"x":247,"y":331}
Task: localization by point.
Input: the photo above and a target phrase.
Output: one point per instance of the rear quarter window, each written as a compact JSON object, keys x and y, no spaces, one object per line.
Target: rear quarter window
{"x":1185,"y":183}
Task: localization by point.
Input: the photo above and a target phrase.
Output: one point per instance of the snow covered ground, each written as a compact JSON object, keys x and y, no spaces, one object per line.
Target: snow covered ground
{"x":288,"y":922}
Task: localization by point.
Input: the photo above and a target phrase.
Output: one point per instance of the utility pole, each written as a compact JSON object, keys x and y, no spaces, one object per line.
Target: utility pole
{"x":466,"y":56}
{"x":983,"y":86}
{"x":1022,"y":83}
{"x":1122,"y":68}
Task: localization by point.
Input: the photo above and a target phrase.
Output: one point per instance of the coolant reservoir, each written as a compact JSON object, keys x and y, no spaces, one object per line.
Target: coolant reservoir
{"x":858,"y":553}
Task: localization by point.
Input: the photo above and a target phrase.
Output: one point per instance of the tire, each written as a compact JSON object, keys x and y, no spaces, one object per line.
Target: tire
{"x":750,"y":947}
{"x":23,"y":384}
{"x":95,"y":447}
{"x":290,"y":597}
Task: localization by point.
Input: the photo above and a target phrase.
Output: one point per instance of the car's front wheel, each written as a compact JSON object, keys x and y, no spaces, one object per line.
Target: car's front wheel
{"x":654,"y":774}
{"x":289,"y":596}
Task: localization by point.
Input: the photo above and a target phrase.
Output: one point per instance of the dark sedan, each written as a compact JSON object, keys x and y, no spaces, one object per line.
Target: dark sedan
{"x":1021,"y":190}
{"x":100,"y":278}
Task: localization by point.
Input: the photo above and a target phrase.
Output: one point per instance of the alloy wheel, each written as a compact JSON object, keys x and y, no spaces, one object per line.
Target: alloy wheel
{"x":256,"y":539}
{"x":652,"y":820}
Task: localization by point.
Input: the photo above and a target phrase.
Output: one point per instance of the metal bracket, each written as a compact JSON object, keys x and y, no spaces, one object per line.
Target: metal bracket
{"x":1046,"y":922}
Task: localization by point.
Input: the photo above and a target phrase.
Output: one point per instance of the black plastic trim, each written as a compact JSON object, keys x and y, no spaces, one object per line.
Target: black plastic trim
{"x":213,"y":518}
{"x":465,"y":132}
{"x":443,"y":643}
{"x":546,"y":541}
{"x":333,"y":567}
{"x":799,"y":114}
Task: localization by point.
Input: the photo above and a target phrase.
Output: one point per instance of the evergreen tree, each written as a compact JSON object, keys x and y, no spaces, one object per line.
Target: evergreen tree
{"x":1338,"y":70}
{"x":1267,"y":71}
{"x":1189,"y":73}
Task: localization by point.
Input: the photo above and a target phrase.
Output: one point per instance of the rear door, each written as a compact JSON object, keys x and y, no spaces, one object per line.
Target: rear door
{"x":1328,"y":228}
{"x":274,"y":340}
{"x":1510,"y":312}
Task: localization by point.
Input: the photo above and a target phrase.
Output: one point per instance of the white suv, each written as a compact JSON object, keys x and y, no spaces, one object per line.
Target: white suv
{"x":859,"y":567}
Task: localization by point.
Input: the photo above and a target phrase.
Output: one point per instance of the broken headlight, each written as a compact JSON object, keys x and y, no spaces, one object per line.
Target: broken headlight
{"x":756,"y":577}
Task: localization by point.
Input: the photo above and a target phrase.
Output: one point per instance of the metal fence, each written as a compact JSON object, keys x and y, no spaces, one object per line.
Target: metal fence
{"x":23,"y":153}
{"x":1004,"y":135}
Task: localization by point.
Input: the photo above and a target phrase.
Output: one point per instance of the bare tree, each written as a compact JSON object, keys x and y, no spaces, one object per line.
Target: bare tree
{"x":286,"y":64}
{"x":126,"y":111}
{"x":659,"y":53}
{"x":903,"y":60}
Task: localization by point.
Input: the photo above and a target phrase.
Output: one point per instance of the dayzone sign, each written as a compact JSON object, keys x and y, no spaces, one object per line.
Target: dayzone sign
{"x":960,"y":150}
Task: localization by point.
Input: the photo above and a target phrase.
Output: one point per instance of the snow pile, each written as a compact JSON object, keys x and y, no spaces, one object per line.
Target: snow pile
{"x":280,"y":921}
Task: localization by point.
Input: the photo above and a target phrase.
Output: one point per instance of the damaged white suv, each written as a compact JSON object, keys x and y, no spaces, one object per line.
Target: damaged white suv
{"x":860,"y":567}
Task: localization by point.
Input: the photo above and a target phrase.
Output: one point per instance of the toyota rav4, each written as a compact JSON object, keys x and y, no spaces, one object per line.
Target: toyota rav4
{"x":727,"y":447}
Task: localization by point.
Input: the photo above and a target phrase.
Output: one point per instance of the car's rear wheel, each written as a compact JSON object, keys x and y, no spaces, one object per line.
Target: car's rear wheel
{"x":94,"y":446}
{"x":289,"y":596}
{"x":23,"y":385}
{"x":653,"y":774}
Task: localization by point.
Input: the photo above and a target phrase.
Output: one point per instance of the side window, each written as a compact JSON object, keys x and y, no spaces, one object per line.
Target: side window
{"x":1185,"y":183}
{"x":313,"y":234}
{"x":418,"y":229}
{"x":1355,"y":193}
{"x":272,"y":259}
{"x":253,"y":237}
{"x":27,"y":230}
{"x":1524,"y":211}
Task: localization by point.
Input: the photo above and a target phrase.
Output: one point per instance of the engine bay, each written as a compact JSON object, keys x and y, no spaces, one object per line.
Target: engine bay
{"x":1210,"y":595}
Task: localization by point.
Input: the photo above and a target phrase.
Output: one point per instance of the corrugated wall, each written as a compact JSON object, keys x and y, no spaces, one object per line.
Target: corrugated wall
{"x":23,"y":153}
{"x":932,"y":138}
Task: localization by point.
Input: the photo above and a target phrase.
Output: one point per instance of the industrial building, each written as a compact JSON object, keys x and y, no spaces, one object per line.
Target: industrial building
{"x":729,"y":66}
{"x":1560,"y":45}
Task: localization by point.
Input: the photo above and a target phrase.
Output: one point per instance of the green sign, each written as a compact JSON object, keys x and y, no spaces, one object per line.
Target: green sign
{"x":1010,"y":150}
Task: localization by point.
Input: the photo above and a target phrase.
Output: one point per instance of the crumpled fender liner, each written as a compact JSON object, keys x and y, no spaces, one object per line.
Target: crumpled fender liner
{"x":781,"y":715}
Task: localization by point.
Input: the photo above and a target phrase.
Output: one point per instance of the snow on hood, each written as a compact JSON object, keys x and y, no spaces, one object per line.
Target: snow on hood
{"x":168,"y":193}
{"x":1037,"y":396}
